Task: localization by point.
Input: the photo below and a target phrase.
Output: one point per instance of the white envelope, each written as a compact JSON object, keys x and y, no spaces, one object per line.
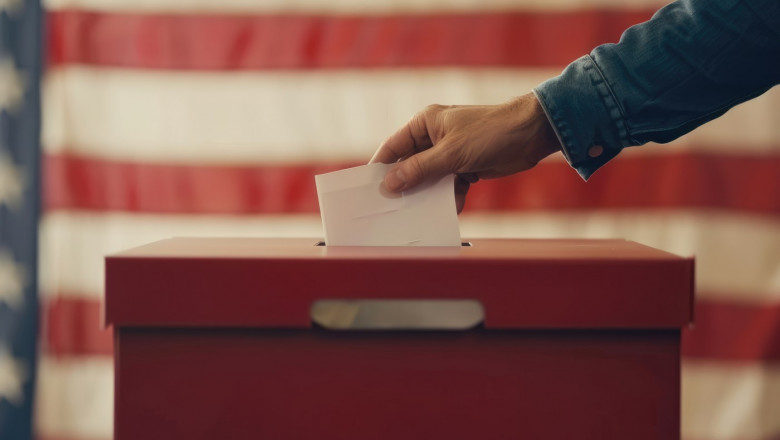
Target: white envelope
{"x":356,"y":210}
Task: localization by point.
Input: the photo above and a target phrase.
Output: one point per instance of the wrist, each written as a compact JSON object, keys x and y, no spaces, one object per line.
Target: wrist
{"x":548,"y":139}
{"x":535,"y":132}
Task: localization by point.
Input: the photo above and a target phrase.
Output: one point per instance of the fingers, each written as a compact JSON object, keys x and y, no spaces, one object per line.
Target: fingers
{"x":461,"y":189}
{"x":469,"y":177}
{"x":428,"y":164}
{"x":409,"y":139}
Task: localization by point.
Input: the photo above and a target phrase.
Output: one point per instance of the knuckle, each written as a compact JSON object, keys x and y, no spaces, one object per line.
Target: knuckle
{"x":433,"y":108}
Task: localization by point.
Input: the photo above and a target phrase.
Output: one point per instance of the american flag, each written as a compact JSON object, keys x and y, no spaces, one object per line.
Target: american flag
{"x":210,"y":118}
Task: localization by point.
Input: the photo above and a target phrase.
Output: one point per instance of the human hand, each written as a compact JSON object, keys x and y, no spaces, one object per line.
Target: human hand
{"x":473,"y":142}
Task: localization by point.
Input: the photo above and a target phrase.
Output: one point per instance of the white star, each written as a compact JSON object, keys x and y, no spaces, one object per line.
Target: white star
{"x":12,"y":281}
{"x":12,"y":6}
{"x":11,"y":182}
{"x":13,"y":373}
{"x":12,"y":84}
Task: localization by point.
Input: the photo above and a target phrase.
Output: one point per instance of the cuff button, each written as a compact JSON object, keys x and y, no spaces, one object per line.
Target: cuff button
{"x":595,"y":151}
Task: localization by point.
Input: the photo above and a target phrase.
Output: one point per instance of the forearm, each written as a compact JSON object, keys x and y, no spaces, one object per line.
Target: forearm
{"x":692,"y":62}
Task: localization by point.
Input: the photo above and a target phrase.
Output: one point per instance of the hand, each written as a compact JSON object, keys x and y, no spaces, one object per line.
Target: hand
{"x":473,"y":142}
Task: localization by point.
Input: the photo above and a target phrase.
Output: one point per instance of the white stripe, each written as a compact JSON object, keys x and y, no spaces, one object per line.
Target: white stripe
{"x":720,"y":401}
{"x":736,"y":254}
{"x":294,"y":116}
{"x":250,"y":116}
{"x":343,"y":6}
{"x":75,"y":397}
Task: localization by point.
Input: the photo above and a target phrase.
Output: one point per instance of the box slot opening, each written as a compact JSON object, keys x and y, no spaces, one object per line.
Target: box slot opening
{"x":391,"y":314}
{"x":463,"y":243}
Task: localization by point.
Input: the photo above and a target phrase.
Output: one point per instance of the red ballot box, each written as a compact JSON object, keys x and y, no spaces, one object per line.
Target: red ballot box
{"x":579,"y":339}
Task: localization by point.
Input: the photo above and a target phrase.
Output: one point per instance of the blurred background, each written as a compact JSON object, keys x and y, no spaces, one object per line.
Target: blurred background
{"x":129,"y":121}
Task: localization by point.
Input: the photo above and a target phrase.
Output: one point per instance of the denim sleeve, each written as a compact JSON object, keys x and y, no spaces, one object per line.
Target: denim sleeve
{"x":689,"y":64}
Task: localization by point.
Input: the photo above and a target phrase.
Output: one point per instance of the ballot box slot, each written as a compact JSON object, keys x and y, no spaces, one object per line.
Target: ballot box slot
{"x":393,"y":314}
{"x":463,"y":243}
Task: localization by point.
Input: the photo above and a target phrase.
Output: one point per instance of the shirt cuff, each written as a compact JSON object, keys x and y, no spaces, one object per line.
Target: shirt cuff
{"x":585,"y":115}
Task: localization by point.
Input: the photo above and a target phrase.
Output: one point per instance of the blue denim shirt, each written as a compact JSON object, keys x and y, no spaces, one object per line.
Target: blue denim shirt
{"x":689,"y":64}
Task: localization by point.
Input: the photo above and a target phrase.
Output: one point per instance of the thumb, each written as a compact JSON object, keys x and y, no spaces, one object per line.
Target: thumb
{"x":428,"y":164}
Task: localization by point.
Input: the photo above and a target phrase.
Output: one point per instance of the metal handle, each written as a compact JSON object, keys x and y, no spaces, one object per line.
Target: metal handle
{"x":391,"y":314}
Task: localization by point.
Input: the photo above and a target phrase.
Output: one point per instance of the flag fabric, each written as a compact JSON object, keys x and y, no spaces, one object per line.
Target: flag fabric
{"x":19,"y":205}
{"x":170,"y":118}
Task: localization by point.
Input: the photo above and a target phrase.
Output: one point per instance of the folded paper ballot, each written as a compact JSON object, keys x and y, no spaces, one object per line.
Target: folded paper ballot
{"x":357,"y":210}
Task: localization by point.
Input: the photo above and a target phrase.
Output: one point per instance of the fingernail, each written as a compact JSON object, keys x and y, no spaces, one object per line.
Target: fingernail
{"x":395,"y":180}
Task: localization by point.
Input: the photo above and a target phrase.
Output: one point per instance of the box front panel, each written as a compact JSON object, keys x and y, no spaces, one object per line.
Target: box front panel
{"x":266,"y":384}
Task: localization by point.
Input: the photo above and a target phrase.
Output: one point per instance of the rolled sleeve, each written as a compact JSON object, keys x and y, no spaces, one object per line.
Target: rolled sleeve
{"x":585,"y":115}
{"x":689,"y":64}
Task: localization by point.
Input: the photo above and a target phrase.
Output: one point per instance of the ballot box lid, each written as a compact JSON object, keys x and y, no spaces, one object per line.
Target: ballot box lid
{"x":521,"y":283}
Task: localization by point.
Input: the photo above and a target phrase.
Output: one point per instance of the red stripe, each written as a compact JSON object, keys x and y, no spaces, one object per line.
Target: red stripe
{"x":689,"y":180}
{"x":734,"y":331}
{"x":675,"y":180}
{"x":226,"y":42}
{"x":723,"y":330}
{"x":74,"y":326}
